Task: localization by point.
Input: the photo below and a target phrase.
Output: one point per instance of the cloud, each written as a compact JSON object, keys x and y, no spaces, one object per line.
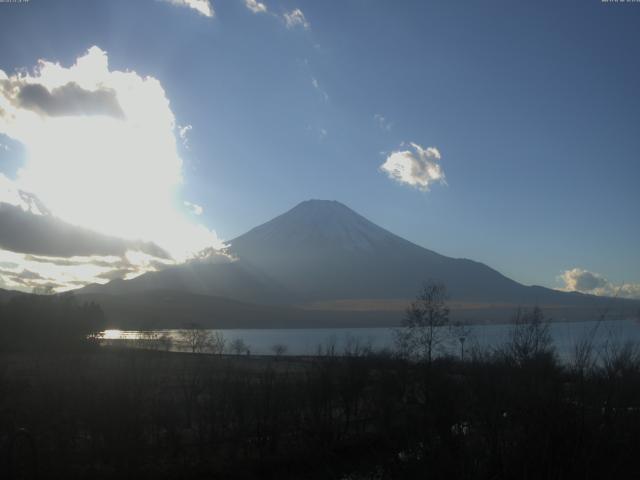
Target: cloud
{"x":212,"y":256}
{"x":203,"y":7}
{"x":183,"y":132}
{"x":194,"y":208}
{"x":24,"y":278}
{"x":382,"y":122}
{"x":23,"y":275}
{"x":419,"y":167}
{"x":255,"y":6}
{"x":25,"y":232}
{"x":11,"y":195}
{"x":68,"y":99}
{"x":67,"y":262}
{"x":580,"y":280}
{"x":102,"y":169}
{"x":629,"y":290}
{"x":25,"y":272}
{"x":584,"y":281}
{"x":295,"y":18}
{"x":116,"y":176}
{"x":316,"y":85}
{"x":319,"y":133}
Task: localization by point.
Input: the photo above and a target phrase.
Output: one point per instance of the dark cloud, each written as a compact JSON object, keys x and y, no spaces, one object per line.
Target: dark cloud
{"x":61,"y":262}
{"x":24,"y":232}
{"x":115,"y":274}
{"x":69,"y":99}
{"x":72,"y":262}
{"x":29,"y":275}
{"x":25,"y":277}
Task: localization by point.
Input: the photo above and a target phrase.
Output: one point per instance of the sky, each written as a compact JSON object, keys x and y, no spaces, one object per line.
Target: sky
{"x":135,"y":135}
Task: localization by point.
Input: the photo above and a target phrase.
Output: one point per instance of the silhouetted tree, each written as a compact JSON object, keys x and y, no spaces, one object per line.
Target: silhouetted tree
{"x":238,"y":346}
{"x":43,"y":290}
{"x":279,"y":349}
{"x":51,"y":322}
{"x":218,"y":343}
{"x":530,"y":336}
{"x":165,"y":342}
{"x":196,"y":338}
{"x":154,"y":340}
{"x":422,"y":331}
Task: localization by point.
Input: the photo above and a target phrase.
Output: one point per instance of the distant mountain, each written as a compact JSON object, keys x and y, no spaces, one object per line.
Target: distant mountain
{"x":159,"y":309}
{"x":235,"y":280}
{"x":324,"y":256}
{"x":8,"y":294}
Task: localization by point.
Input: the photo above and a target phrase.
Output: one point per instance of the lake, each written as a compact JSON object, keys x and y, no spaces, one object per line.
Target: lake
{"x":307,"y":341}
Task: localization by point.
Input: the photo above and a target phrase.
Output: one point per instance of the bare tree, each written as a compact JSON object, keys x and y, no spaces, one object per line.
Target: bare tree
{"x":165,"y":342}
{"x":238,"y":346}
{"x":196,"y":338}
{"x":618,"y":358}
{"x":584,"y":357}
{"x":218,"y":343}
{"x":530,"y":335}
{"x":328,"y":348}
{"x":423,"y":331}
{"x":279,"y":349}
{"x":147,"y":339}
{"x":43,"y":290}
{"x":357,"y":347}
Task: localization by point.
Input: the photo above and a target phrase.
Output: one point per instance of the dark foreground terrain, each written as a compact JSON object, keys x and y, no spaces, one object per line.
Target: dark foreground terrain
{"x":109,"y":413}
{"x":72,"y":409}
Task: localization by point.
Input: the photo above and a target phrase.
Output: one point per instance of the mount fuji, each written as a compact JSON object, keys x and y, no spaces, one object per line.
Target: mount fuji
{"x":322,"y":262}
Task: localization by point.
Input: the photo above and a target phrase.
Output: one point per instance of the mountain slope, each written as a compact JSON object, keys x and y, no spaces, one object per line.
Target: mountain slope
{"x":236,"y":280}
{"x":323,"y":250}
{"x":9,"y":294}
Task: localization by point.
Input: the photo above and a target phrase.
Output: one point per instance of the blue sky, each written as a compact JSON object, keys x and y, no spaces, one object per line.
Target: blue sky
{"x":533,"y":107}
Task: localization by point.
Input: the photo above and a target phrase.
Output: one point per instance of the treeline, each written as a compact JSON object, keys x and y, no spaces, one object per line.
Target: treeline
{"x":48,"y":323}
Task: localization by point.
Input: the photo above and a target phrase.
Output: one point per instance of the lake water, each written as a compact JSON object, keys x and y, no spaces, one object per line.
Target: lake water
{"x":307,"y":341}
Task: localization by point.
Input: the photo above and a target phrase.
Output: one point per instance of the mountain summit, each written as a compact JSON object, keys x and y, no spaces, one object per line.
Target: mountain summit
{"x":315,"y":225}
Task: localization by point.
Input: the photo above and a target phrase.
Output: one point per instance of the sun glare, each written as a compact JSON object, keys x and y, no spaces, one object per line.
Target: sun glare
{"x":102,"y":152}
